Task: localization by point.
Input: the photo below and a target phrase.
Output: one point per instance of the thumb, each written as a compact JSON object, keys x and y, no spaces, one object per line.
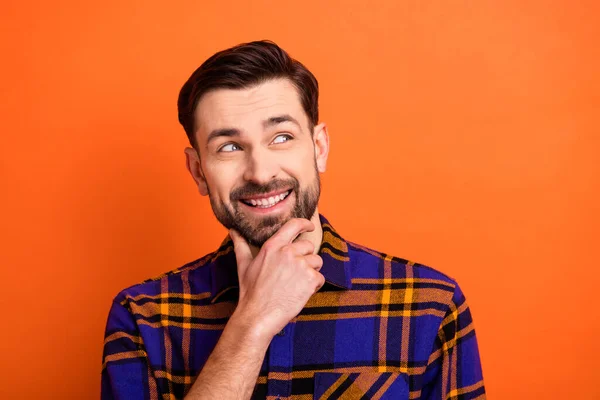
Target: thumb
{"x":243,"y":254}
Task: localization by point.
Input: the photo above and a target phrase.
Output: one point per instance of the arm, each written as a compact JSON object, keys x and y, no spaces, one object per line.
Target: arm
{"x":233,"y":367}
{"x":454,"y":367}
{"x":274,"y":287}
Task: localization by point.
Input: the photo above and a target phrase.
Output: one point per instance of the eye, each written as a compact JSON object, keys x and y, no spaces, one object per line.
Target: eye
{"x":229,"y":147}
{"x":282,"y":139}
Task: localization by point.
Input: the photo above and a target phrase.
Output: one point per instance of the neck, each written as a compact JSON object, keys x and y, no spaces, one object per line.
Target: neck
{"x":315,"y":236}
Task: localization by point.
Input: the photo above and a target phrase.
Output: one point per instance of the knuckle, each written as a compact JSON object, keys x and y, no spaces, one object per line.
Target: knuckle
{"x":315,"y":276}
{"x":318,"y":279}
{"x":294,"y":222}
{"x":316,"y":260}
{"x":299,"y":222}
{"x":305,"y":246}
{"x":287,"y":250}
{"x":268,"y":246}
{"x":288,"y":254}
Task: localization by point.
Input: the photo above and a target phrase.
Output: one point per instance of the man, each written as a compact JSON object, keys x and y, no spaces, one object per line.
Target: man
{"x":285,"y":308}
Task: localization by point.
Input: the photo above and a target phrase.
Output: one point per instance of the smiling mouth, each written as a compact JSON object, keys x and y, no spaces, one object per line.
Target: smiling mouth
{"x":266,"y":202}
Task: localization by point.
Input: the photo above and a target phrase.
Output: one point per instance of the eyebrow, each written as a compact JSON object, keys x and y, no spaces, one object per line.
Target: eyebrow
{"x":280,"y":119}
{"x":233,"y":132}
{"x":225,"y":132}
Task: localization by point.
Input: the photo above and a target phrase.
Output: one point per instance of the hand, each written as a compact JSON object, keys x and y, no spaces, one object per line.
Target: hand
{"x":277,"y":283}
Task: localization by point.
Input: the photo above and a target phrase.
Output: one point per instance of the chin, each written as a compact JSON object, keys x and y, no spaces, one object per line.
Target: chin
{"x":260,"y":235}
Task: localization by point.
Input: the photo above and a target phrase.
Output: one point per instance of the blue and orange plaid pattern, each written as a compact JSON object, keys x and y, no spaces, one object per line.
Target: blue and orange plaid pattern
{"x":380,"y":328}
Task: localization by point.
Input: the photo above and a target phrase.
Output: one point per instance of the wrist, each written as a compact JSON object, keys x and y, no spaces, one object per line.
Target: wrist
{"x":249,"y":330}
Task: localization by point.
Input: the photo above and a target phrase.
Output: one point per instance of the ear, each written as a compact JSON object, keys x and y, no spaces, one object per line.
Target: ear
{"x":192,"y":161}
{"x":321,"y":141}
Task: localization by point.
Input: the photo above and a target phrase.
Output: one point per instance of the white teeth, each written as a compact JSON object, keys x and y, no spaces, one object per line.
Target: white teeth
{"x":270,"y":202}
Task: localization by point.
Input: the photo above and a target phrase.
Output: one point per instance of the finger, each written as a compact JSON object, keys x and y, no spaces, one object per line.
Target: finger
{"x":314,"y":261}
{"x":243,"y":254}
{"x":290,"y":230}
{"x":303,"y":247}
{"x":320,"y":282}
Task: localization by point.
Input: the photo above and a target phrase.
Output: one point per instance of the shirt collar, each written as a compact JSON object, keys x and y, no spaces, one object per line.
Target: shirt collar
{"x":333,"y":250}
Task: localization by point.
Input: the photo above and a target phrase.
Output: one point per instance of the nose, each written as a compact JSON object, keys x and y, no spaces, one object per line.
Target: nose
{"x":260,"y":168}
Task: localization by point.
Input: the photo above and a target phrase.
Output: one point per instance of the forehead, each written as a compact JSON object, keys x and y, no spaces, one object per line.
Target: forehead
{"x":247,"y":108}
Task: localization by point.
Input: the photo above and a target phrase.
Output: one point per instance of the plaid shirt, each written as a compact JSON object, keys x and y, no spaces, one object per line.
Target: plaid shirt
{"x":380,"y":327}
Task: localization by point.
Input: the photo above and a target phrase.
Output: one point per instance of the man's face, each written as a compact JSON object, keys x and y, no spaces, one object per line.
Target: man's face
{"x":259,"y":162}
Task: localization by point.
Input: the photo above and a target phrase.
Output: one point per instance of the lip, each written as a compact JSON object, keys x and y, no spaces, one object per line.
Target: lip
{"x":276,"y":208}
{"x":266,"y":195}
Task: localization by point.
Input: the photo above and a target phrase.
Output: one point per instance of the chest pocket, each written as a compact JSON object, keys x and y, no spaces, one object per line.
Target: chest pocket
{"x":360,"y":385}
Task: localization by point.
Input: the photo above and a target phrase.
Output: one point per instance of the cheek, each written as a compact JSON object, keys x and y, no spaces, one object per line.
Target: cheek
{"x":308,"y":163}
{"x":221,"y":181}
{"x":301,"y":167}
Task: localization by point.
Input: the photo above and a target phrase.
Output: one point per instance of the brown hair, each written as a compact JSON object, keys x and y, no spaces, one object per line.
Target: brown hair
{"x":243,"y":66}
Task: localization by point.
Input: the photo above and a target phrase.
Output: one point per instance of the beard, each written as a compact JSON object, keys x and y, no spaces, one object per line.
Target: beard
{"x":258,"y":230}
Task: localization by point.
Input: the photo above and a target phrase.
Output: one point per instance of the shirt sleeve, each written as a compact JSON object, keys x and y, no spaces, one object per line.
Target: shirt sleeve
{"x":454,"y":367}
{"x":125,"y":370}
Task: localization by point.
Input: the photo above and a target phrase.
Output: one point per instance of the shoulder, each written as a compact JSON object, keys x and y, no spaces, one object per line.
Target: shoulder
{"x":194,"y":278}
{"x":372,"y":266}
{"x":367,"y":258}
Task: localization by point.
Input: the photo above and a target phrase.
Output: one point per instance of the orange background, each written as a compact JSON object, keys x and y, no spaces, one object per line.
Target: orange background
{"x":465,"y":135}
